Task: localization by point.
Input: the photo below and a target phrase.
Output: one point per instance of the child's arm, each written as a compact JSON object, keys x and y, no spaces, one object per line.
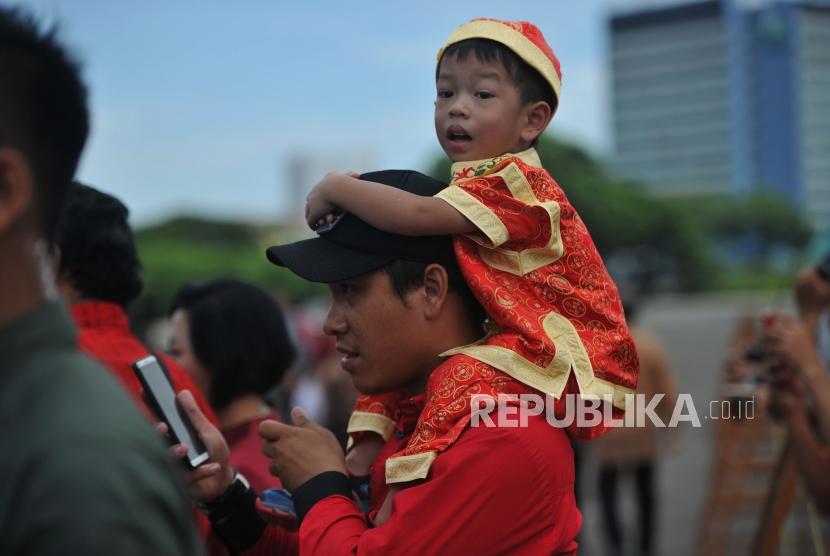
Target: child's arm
{"x":387,"y":208}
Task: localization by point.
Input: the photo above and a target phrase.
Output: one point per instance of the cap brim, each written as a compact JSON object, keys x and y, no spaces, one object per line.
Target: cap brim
{"x":320,"y":260}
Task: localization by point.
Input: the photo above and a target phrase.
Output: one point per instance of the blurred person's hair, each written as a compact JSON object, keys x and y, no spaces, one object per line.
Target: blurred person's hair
{"x":238,"y":334}
{"x":531,"y":84}
{"x":823,"y":267}
{"x":97,"y":249}
{"x":406,"y":276}
{"x":43,"y":111}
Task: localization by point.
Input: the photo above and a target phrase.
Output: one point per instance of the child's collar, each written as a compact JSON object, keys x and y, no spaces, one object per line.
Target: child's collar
{"x":473,"y":168}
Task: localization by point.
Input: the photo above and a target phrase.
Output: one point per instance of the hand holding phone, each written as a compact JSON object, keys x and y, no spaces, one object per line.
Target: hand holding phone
{"x":162,"y":400}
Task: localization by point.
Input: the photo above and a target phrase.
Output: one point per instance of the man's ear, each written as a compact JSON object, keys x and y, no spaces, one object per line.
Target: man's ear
{"x":16,"y":187}
{"x":436,"y":286}
{"x":537,"y":118}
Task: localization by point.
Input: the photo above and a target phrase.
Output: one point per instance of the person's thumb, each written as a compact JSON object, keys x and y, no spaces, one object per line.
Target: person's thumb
{"x":191,"y":408}
{"x":300,"y":419}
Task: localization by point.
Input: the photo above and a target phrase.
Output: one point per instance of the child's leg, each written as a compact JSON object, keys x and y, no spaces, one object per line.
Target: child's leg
{"x":372,"y":421}
{"x":363,"y":453}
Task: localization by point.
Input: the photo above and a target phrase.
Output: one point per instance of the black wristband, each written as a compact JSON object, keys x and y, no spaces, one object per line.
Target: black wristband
{"x":319,"y":487}
{"x":360,"y":485}
{"x":235,"y":518}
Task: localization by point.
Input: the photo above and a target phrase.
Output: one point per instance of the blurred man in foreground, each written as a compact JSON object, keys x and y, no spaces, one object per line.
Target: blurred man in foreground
{"x":83,"y":473}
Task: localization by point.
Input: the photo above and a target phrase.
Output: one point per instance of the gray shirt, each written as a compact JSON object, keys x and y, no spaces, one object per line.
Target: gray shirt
{"x":82,"y":472}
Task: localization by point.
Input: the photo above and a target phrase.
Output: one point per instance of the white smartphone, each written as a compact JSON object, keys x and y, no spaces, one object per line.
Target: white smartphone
{"x":162,"y":398}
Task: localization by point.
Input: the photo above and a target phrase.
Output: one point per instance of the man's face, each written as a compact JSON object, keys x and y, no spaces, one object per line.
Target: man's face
{"x":478,"y":111}
{"x":377,"y":335}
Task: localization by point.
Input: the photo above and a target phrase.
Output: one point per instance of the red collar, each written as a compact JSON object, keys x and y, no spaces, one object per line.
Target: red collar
{"x":99,"y":314}
{"x":410,"y":409}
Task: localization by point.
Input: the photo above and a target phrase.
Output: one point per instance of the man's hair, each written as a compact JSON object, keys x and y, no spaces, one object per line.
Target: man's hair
{"x":406,"y":276}
{"x":97,"y":248}
{"x":532,"y":86}
{"x":43,"y":110}
{"x":239,"y":336}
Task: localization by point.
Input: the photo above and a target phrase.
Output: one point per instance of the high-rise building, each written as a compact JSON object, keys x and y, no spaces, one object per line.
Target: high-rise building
{"x":724,"y":97}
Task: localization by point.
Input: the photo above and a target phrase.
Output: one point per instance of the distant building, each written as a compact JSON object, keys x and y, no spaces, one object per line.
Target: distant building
{"x":305,"y":170}
{"x":722,"y":97}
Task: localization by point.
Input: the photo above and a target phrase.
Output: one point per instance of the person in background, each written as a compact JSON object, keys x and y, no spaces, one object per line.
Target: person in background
{"x":83,"y":472}
{"x":634,"y":451}
{"x":99,"y":274}
{"x":800,"y":386}
{"x":233,"y":340}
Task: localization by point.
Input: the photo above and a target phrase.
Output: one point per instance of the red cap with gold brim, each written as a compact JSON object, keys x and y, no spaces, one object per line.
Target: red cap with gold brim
{"x":523,"y":38}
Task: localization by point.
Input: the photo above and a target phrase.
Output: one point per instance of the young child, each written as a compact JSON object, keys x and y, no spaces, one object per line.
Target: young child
{"x":557,"y":321}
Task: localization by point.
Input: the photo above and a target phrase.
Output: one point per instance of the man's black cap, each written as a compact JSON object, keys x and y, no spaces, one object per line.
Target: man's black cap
{"x":353,"y":247}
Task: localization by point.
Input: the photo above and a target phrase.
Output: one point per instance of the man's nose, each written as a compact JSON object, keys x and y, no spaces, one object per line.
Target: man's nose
{"x":334,"y":324}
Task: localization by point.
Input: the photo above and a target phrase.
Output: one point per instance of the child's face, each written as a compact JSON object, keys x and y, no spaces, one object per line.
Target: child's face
{"x":478,"y":112}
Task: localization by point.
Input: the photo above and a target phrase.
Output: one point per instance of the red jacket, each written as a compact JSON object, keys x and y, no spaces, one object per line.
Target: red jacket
{"x":104,"y":334}
{"x":494,"y":491}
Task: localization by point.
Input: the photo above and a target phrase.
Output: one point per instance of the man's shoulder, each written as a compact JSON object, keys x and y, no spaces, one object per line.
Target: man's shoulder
{"x":79,"y":459}
{"x":513,"y":432}
{"x":536,"y":450}
{"x":63,"y":398}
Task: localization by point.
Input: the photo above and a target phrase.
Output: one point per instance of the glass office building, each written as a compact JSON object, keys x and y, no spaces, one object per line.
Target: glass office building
{"x":724,"y":97}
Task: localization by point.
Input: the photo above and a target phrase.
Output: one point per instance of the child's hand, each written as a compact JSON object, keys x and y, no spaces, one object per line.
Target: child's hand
{"x":318,"y":206}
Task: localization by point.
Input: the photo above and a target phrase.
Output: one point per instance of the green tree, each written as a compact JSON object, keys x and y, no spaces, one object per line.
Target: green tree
{"x":188,"y":249}
{"x":762,"y":218}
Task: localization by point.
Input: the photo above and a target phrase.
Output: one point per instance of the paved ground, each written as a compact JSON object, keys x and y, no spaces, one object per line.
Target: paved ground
{"x":696,"y":331}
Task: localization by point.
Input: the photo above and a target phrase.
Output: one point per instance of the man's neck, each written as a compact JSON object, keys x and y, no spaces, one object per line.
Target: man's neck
{"x":20,"y":287}
{"x":458,"y":333}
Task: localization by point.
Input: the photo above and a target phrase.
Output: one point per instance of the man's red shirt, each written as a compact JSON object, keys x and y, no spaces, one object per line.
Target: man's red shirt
{"x":495,"y":491}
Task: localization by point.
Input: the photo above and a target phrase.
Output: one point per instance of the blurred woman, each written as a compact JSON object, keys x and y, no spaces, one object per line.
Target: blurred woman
{"x":233,"y":340}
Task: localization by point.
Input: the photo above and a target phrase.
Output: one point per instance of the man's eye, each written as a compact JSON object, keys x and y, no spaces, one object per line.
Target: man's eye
{"x":484,"y":94}
{"x":444,"y":94}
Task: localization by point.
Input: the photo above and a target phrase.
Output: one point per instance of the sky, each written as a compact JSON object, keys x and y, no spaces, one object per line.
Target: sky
{"x":198,"y":107}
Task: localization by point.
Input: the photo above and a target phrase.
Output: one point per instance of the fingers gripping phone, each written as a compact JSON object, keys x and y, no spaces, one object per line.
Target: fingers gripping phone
{"x":162,"y":398}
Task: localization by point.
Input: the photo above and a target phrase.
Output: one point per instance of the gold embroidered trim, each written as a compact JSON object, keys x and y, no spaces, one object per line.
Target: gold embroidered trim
{"x":476,"y":212}
{"x":362,"y":421}
{"x":403,"y":469}
{"x":529,"y":157}
{"x":570,"y":356}
{"x":508,"y":260}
